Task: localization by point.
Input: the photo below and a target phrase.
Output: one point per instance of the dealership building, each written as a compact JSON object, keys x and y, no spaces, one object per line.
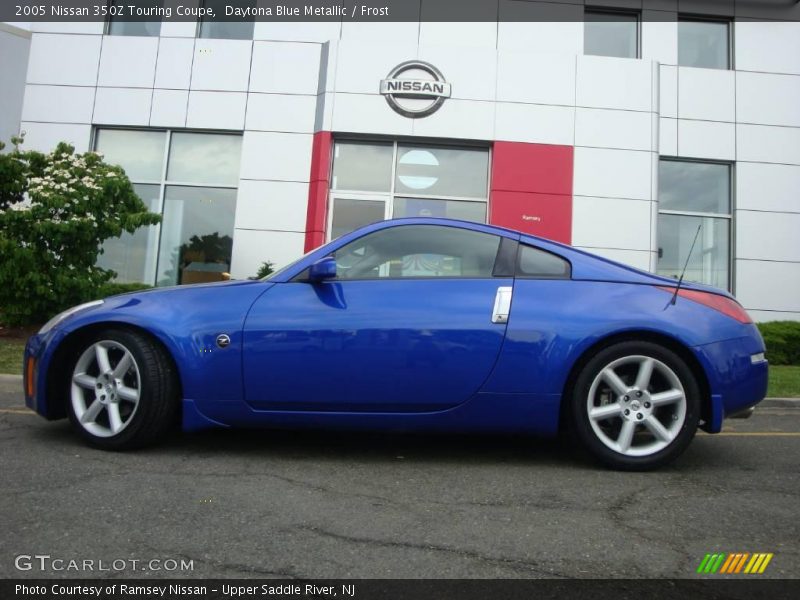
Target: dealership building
{"x":618,"y":130}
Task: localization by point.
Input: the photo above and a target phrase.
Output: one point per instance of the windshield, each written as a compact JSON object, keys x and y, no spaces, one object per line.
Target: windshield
{"x":287,"y":267}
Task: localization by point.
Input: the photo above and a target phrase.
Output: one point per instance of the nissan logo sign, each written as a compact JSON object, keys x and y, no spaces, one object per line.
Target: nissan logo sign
{"x":415,"y":89}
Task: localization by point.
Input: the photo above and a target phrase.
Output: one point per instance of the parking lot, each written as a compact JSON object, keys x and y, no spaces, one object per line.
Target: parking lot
{"x":288,"y":504}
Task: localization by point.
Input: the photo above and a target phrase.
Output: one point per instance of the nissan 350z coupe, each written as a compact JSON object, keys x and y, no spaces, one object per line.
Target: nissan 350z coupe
{"x":412,"y":325}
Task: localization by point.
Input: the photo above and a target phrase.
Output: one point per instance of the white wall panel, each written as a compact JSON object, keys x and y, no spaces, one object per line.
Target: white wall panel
{"x":377,"y":32}
{"x":281,"y":112}
{"x":285,"y":68}
{"x":668,"y":91}
{"x":362,"y":113}
{"x":537,"y":123}
{"x":621,"y":129}
{"x":361,"y":66}
{"x":185,"y":29}
{"x":216,"y":110}
{"x":251,"y":248}
{"x":611,"y":223}
{"x":536,"y":78}
{"x":783,"y":243}
{"x":45,"y":136}
{"x":660,"y":41}
{"x":614,"y":83}
{"x":60,"y":104}
{"x":639,"y":259}
{"x":89,"y":27}
{"x":612,"y":173}
{"x":768,"y":99}
{"x":452,"y":34}
{"x":668,"y":137}
{"x":128,"y":61}
{"x":539,"y":27}
{"x":276,"y":156}
{"x":769,"y":47}
{"x":472,"y":72}
{"x":762,"y":143}
{"x":174,"y":65}
{"x":221,"y":65}
{"x":764,"y":285}
{"x":708,"y":94}
{"x":321,"y":31}
{"x":459,"y":119}
{"x":706,"y":139}
{"x":64,"y":59}
{"x":122,"y":106}
{"x":768,"y":187}
{"x":276,"y":205}
{"x":169,"y":108}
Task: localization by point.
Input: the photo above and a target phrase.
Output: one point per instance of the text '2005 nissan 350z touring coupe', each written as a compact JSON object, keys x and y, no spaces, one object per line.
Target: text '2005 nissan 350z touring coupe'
{"x":412,"y":325}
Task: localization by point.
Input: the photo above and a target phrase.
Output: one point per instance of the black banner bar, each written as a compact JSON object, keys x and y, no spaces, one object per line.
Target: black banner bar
{"x":747,"y":587}
{"x":386,"y":10}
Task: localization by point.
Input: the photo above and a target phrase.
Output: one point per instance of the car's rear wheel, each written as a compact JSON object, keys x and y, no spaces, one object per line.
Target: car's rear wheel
{"x":122,"y":392}
{"x":635,"y":406}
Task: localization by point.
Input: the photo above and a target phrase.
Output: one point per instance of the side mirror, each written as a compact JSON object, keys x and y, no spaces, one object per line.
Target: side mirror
{"x":324,"y":268}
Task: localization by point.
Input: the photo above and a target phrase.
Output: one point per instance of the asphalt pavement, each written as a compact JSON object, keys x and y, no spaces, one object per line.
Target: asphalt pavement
{"x":323,"y":505}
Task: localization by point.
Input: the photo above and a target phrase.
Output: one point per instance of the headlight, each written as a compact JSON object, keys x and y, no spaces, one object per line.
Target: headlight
{"x":67,"y":313}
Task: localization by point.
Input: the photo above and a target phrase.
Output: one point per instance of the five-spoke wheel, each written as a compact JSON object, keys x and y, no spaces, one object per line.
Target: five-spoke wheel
{"x":635,"y":405}
{"x":122,"y":390}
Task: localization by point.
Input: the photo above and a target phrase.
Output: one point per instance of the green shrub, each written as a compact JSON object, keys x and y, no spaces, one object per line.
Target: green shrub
{"x":266,"y":268}
{"x":112,"y":289}
{"x":782,"y":339}
{"x":55,"y":211}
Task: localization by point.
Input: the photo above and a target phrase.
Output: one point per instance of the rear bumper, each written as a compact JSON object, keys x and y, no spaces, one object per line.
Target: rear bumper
{"x":737,"y":377}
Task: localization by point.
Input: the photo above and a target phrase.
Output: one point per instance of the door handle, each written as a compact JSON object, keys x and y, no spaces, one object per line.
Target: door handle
{"x":502,"y":305}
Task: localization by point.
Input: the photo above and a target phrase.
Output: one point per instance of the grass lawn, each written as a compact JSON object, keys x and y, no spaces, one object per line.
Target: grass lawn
{"x":784,"y":382}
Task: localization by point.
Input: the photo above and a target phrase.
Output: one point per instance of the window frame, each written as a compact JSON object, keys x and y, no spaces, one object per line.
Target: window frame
{"x":729,"y":216}
{"x":109,"y":18}
{"x":199,"y":27}
{"x":164,"y":182}
{"x":388,"y":197}
{"x":695,"y":18}
{"x":601,"y":10}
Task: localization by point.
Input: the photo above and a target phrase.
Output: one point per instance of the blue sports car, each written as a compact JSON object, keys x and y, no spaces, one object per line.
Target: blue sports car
{"x":412,"y":325}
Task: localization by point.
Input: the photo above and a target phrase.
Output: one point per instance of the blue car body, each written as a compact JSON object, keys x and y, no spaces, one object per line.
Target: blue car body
{"x":412,"y":354}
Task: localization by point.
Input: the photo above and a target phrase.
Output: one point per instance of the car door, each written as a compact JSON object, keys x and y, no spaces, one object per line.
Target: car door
{"x":413,"y":322}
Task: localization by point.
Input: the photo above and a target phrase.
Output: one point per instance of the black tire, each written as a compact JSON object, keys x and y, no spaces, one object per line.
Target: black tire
{"x":158,"y":405}
{"x":597,"y":443}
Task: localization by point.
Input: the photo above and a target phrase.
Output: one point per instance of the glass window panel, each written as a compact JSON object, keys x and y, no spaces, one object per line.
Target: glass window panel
{"x":140,"y":153}
{"x":538,"y":263}
{"x":703,"y":44}
{"x":152,"y":28}
{"x":238,"y":29}
{"x":611,"y":34}
{"x":710,"y":258}
{"x":196,"y":235}
{"x":432,"y":171}
{"x":204,"y":158}
{"x":133,"y":256}
{"x":350,"y":214}
{"x":418,"y":251}
{"x":363,"y":167}
{"x":451,"y":209}
{"x":694,"y":187}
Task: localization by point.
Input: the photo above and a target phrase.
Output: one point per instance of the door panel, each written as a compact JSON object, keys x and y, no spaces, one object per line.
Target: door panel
{"x":376,"y":345}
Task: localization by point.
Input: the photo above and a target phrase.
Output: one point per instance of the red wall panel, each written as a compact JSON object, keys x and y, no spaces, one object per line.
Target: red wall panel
{"x":531,"y":189}
{"x":316,"y":215}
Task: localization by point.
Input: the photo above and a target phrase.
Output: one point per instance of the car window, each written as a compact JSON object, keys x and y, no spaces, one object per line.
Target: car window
{"x":537,"y":263}
{"x":418,"y":251}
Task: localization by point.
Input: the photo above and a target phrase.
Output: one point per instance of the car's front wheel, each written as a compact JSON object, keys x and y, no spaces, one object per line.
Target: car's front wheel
{"x":635,"y":406}
{"x":122,"y":392}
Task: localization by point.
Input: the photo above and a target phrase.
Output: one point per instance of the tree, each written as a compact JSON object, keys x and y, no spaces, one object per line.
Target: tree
{"x":55,"y":211}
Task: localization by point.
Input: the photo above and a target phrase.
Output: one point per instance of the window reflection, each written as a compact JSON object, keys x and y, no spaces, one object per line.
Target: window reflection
{"x":703,"y":44}
{"x":611,"y":34}
{"x":204,"y":158}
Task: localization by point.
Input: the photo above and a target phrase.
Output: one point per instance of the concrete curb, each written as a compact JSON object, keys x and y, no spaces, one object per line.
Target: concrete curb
{"x":9,"y":378}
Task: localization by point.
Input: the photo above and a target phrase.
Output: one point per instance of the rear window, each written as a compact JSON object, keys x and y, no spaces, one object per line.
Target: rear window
{"x":536,"y":263}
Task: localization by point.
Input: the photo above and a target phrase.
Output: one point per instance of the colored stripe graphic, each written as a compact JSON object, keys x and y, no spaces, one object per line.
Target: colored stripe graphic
{"x":735,"y":563}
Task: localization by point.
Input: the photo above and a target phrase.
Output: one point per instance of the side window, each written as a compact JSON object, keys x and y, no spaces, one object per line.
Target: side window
{"x":416,"y":251}
{"x":537,"y":263}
